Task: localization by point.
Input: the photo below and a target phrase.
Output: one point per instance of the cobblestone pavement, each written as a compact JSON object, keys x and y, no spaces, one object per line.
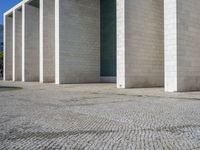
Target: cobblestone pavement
{"x":97,"y":116}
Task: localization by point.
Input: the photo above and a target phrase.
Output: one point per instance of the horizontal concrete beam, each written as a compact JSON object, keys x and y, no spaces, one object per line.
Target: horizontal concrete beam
{"x":13,"y":8}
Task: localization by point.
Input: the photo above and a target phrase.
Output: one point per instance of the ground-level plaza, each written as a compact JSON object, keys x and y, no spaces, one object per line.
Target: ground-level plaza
{"x":97,"y":116}
{"x":135,"y":43}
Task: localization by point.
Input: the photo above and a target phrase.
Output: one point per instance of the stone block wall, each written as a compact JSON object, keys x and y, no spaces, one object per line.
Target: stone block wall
{"x":77,"y":41}
{"x":182,"y":36}
{"x":140,"y":43}
{"x":8,"y":47}
{"x":188,"y":45}
{"x":47,"y":40}
{"x":17,"y":48}
{"x":30,"y":47}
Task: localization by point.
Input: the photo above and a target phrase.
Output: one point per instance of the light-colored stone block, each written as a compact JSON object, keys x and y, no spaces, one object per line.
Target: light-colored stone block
{"x":188,"y":45}
{"x":121,"y":44}
{"x":8,"y":46}
{"x":47,"y":40}
{"x":140,"y":47}
{"x":77,"y":41}
{"x":17,"y":45}
{"x":182,"y":36}
{"x":170,"y":13}
{"x":30,"y":46}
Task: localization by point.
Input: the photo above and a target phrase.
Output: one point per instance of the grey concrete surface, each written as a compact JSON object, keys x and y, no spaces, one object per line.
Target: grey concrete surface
{"x":30,"y":43}
{"x":140,"y":36}
{"x":97,"y":116}
{"x":47,"y":41}
{"x":8,"y":47}
{"x":17,"y":45}
{"x":182,"y":45}
{"x":77,"y":41}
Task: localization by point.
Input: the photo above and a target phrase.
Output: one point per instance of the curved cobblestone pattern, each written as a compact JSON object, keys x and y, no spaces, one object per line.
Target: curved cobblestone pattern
{"x":97,"y":117}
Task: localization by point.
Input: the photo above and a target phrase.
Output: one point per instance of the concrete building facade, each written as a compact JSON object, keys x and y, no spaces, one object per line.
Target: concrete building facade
{"x":135,"y":43}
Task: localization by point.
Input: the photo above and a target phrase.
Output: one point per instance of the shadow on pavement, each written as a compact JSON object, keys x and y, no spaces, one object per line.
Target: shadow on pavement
{"x":9,"y":88}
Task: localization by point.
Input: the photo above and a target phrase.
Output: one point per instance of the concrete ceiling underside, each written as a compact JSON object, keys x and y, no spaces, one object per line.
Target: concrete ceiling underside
{"x":35,"y":3}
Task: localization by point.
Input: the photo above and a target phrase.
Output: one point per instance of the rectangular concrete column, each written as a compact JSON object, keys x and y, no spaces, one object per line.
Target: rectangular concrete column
{"x":47,"y":40}
{"x":121,"y":44}
{"x":140,"y":43}
{"x":77,"y":41}
{"x":170,"y":11}
{"x":8,"y":47}
{"x":17,"y":45}
{"x":30,"y":44}
{"x":182,"y":44}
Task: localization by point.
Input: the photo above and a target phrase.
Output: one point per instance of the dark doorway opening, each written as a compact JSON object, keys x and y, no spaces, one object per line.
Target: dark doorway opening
{"x":108,"y":39}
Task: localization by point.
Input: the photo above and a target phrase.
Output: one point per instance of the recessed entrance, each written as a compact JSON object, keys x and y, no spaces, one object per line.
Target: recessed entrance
{"x":108,"y":41}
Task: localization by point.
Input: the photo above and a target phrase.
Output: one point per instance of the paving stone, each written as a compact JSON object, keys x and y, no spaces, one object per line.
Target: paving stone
{"x":97,"y":116}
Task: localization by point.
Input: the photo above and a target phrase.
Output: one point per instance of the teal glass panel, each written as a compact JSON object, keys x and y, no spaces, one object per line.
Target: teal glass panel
{"x":108,"y":37}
